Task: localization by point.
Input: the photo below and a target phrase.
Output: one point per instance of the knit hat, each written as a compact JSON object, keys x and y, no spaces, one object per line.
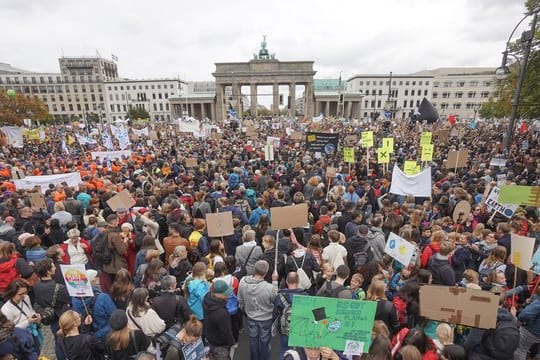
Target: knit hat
{"x":91,"y":274}
{"x":221,"y":287}
{"x":118,"y":320}
{"x":73,"y":233}
{"x":363,"y":229}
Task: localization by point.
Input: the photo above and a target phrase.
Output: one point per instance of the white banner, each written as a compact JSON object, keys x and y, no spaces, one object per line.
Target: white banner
{"x":111,"y":155}
{"x":107,"y":140}
{"x":190,"y":124}
{"x":14,"y":136}
{"x":400,"y":249}
{"x":76,"y":279}
{"x":29,"y":182}
{"x":85,"y":140}
{"x":141,"y":132}
{"x":522,"y":251}
{"x":418,"y":185}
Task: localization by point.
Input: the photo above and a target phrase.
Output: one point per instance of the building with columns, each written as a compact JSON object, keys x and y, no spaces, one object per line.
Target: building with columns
{"x":334,"y":98}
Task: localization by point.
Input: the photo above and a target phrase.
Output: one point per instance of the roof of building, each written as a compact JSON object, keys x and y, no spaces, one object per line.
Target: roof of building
{"x":6,"y":68}
{"x":457,"y":71}
{"x":329,"y":84}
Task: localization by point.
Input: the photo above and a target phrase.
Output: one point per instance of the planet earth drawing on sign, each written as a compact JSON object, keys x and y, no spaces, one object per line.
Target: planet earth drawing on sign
{"x":329,"y":148}
{"x":76,"y":279}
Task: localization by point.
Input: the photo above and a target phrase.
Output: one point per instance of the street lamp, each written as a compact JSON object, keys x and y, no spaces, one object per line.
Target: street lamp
{"x":527,"y":36}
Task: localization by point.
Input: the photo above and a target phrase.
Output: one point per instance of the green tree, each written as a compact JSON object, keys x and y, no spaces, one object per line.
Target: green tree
{"x":14,"y":109}
{"x":138,"y":113}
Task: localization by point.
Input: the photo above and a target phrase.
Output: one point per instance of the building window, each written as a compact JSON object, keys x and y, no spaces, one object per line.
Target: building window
{"x":373,"y":103}
{"x":115,"y":88}
{"x":367,"y":92}
{"x":486,"y":83}
{"x":112,"y":107}
{"x":460,"y":84}
{"x":117,"y":97}
{"x":471,"y":94}
{"x":414,"y":82}
{"x":121,"y":88}
{"x":361,"y":83}
{"x":406,"y":83}
{"x":411,"y":103}
{"x":401,"y":83}
{"x":166,"y":95}
{"x":445,"y":95}
{"x":109,"y":88}
{"x":435,"y":84}
{"x":484,"y":94}
{"x":366,"y":104}
{"x":155,"y":107}
{"x":127,"y":87}
{"x":447,"y":84}
{"x":469,"y":106}
{"x":457,"y":106}
{"x":473,"y":83}
{"x":62,"y":107}
{"x":458,"y":95}
{"x":123,"y":97}
{"x":367,"y":83}
{"x":153,"y":96}
{"x":160,"y":96}
{"x":86,"y":107}
{"x":167,"y":108}
{"x":79,"y":107}
{"x":160,"y":107}
{"x":118,"y":108}
{"x":434,"y":95}
{"x":404,"y":103}
{"x":425,"y":92}
{"x":124,"y":107}
{"x":412,"y":92}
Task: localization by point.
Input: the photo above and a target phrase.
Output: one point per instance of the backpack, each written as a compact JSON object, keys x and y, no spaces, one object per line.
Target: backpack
{"x":361,"y":258}
{"x":304,"y":281}
{"x":197,"y":213}
{"x":285,"y":318}
{"x":168,"y":338}
{"x":100,"y":249}
{"x":8,"y":273}
{"x":401,"y":309}
{"x":501,"y":342}
{"x":210,"y":200}
{"x":232,"y":301}
{"x":48,"y":314}
{"x":330,"y":291}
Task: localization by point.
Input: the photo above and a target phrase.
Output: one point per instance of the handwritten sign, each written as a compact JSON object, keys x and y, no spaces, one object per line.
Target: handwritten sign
{"x":77,"y":282}
{"x":522,"y":251}
{"x":219,"y":224}
{"x":367,"y":138}
{"x":383,"y":155}
{"x":339,"y":324}
{"x":400,"y":249}
{"x":288,"y":217}
{"x":427,"y":152}
{"x":388,"y":143}
{"x":521,"y":195}
{"x":348,"y":155}
{"x":492,"y":202}
{"x":458,"y":305}
{"x":410,"y":167}
{"x":425,"y":138}
{"x":122,"y":200}
{"x":191,"y":162}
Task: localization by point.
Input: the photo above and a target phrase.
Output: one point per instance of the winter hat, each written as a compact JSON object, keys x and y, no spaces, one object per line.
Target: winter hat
{"x":118,"y":320}
{"x":221,"y":287}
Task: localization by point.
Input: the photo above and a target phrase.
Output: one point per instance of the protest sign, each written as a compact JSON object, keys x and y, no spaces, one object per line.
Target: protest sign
{"x":296,"y":135}
{"x":383,"y":155}
{"x":497,"y":162}
{"x":461,"y":211}
{"x":425,"y":138}
{"x":457,"y":159}
{"x":350,"y":140}
{"x":367,"y":139}
{"x":194,"y":351}
{"x":536,"y":261}
{"x":521,"y":195}
{"x":122,"y":200}
{"x":77,"y":282}
{"x":522,"y":251}
{"x":492,"y":201}
{"x":331,"y":172}
{"x":322,"y":142}
{"x":400,"y":249}
{"x":30,"y":182}
{"x":417,"y":185}
{"x":269,"y":153}
{"x":219,"y":224}
{"x":111,"y":155}
{"x":348,"y":155}
{"x":427,"y":152}
{"x":288,"y":217}
{"x":339,"y":324}
{"x":501,"y":179}
{"x":410,"y":167}
{"x":459,"y":305}
{"x":37,"y":200}
{"x":442,"y":136}
{"x":388,"y":143}
{"x":191,"y":162}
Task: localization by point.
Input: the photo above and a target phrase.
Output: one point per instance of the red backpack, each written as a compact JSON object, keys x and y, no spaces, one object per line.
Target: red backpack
{"x":401,"y":309}
{"x":8,"y":272}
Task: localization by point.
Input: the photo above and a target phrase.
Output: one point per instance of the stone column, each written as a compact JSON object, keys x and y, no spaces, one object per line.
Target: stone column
{"x":292,"y":96}
{"x":191,"y":109}
{"x":348,"y":113}
{"x":219,"y":103}
{"x":275,"y":102}
{"x":236,"y":98}
{"x":213,"y":112}
{"x":253,"y":101}
{"x":327,"y":109}
{"x":203,"y":111}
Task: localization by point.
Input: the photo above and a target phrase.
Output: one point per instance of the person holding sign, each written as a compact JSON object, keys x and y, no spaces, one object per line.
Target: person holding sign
{"x":189,"y":335}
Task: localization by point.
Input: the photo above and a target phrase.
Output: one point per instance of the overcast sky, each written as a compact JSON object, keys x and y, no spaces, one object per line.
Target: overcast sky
{"x":185,"y":38}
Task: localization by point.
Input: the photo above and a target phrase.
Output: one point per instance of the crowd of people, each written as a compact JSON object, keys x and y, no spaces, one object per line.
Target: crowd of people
{"x":163,"y":288}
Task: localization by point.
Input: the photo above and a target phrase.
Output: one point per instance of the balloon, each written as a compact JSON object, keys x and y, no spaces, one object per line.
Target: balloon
{"x":11,"y":93}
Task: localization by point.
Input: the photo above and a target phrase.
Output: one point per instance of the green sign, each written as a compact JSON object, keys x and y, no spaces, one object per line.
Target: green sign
{"x":520,"y":195}
{"x":339,"y":324}
{"x":367,"y":138}
{"x":425,"y":138}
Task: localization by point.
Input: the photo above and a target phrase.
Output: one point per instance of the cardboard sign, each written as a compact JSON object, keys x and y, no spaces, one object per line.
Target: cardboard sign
{"x":77,"y":282}
{"x":457,"y":159}
{"x":348,"y":155}
{"x":461,"y":211}
{"x":37,"y":200}
{"x":122,"y":200}
{"x":331,"y":172}
{"x":191,"y":162}
{"x":522,"y":251}
{"x":388,"y":143}
{"x":459,"y":305}
{"x":289,"y":217}
{"x":400,"y":249}
{"x":427,"y":152}
{"x":442,"y":136}
{"x":367,"y":138}
{"x":492,"y":201}
{"x":351,"y":139}
{"x":425,"y":138}
{"x":410,"y":167}
{"x":501,"y":179}
{"x":521,"y":195}
{"x":383,"y":155}
{"x":339,"y":324}
{"x":297,"y":136}
{"x":497,"y":162}
{"x":219,"y":224}
{"x":269,"y":153}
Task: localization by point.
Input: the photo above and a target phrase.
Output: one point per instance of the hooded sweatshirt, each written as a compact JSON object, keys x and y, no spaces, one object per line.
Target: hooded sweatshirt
{"x":377,"y":242}
{"x":217,"y":321}
{"x":256,"y":298}
{"x":442,"y":271}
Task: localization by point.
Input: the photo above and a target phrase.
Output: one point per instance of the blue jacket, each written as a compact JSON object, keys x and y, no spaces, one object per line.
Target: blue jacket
{"x":237,"y":213}
{"x":256,"y":215}
{"x":197,"y":289}
{"x":531,"y":317}
{"x":20,"y":344}
{"x":103,"y":308}
{"x":78,"y":306}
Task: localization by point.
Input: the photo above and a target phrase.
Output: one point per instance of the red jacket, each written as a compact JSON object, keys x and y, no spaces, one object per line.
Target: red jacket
{"x":87,"y":250}
{"x":429,"y":250}
{"x":397,"y":344}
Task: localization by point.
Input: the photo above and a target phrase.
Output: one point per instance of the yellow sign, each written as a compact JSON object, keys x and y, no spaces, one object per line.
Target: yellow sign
{"x":348,"y":155}
{"x":427,"y":152}
{"x":32,"y":134}
{"x":411,"y":167}
{"x":425,"y":138}
{"x":311,"y":138}
{"x":383,"y":155}
{"x":367,"y":138}
{"x":388,"y":143}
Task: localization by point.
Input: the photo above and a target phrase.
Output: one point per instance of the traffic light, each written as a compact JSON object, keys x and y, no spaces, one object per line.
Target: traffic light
{"x":288,"y":102}
{"x":280,"y":99}
{"x":341,"y":98}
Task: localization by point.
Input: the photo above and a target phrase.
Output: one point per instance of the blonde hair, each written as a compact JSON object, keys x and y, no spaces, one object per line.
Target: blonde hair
{"x":119,"y":339}
{"x":445,"y":334}
{"x":376,"y":290}
{"x":410,"y":352}
{"x":68,"y":320}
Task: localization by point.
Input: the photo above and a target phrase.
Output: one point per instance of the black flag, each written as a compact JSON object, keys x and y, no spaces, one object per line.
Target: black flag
{"x":427,"y":111}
